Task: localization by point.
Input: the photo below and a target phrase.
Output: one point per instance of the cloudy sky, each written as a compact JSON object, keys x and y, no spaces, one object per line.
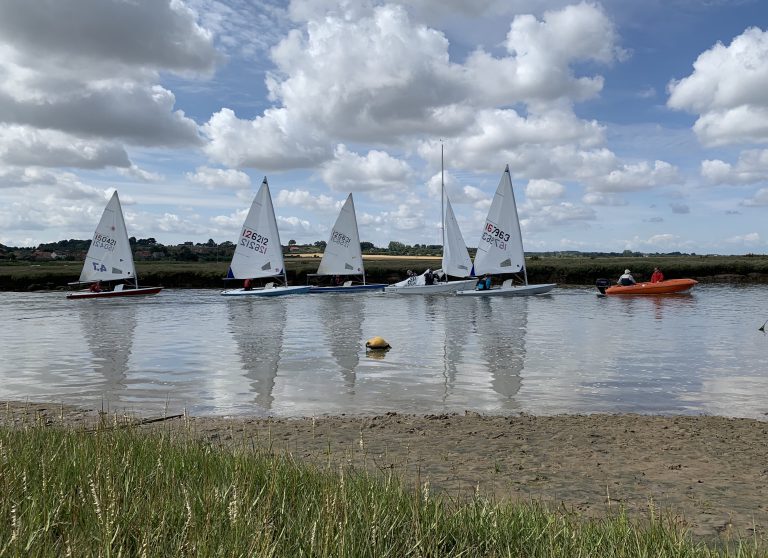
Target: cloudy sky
{"x":626,"y":124}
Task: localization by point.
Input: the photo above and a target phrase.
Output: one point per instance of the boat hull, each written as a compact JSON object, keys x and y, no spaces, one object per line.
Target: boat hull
{"x":262,"y":292}
{"x":114,"y":294}
{"x":521,"y":290}
{"x":670,"y":286}
{"x":349,"y":289}
{"x":437,"y":288}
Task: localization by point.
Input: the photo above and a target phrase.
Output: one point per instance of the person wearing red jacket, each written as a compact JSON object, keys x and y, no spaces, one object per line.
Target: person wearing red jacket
{"x":657,"y":276}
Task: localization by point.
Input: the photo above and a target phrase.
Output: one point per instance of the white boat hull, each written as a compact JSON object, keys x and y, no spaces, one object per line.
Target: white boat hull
{"x":437,"y":288}
{"x":349,"y":289}
{"x":521,"y":290}
{"x":269,"y":291}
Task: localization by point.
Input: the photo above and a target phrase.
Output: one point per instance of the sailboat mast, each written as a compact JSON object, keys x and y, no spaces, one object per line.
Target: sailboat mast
{"x":519,"y":231}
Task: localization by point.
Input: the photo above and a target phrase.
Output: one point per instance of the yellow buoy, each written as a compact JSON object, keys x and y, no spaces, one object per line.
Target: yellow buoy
{"x":377,"y":343}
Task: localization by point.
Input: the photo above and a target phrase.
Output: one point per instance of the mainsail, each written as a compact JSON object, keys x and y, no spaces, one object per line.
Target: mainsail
{"x":342,"y":254}
{"x":456,"y":261}
{"x":501,"y":246}
{"x":109,"y":257}
{"x":258,"y":252}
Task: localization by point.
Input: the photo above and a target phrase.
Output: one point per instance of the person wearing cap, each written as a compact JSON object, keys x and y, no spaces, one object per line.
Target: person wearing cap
{"x":626,"y":280}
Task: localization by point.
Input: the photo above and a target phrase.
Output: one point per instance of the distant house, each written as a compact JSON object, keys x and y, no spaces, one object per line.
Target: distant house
{"x":40,"y":255}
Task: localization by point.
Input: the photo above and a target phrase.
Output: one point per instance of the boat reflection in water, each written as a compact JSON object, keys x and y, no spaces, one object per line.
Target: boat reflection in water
{"x":343,"y":326}
{"x":673,"y":303}
{"x":501,"y":329}
{"x":456,"y":317}
{"x":108,"y":328}
{"x":257,"y":328}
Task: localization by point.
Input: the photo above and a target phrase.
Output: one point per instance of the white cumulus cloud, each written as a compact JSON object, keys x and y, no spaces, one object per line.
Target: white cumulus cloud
{"x":219,"y":178}
{"x":727,"y":90}
{"x":377,"y":170}
{"x":752,"y":167}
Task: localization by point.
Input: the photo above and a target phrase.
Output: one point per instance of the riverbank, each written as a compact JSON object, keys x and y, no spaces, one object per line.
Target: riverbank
{"x":572,"y":270}
{"x":709,"y":471}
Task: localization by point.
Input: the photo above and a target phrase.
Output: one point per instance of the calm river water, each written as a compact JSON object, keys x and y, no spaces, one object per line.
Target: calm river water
{"x":303,"y":355}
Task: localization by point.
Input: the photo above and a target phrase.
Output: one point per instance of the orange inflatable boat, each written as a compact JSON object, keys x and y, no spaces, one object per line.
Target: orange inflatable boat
{"x":669,"y":286}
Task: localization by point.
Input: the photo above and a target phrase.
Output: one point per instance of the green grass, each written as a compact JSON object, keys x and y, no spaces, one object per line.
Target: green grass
{"x":562,"y":270}
{"x":117,"y":492}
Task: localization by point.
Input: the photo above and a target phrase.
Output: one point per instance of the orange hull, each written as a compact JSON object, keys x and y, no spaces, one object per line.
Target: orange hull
{"x":663,"y":287}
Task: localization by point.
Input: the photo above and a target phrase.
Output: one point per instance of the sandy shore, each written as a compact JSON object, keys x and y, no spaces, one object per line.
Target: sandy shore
{"x":710,"y":471}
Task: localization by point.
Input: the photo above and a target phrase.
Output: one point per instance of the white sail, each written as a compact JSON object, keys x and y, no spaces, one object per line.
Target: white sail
{"x":109,"y":257}
{"x":342,"y":254}
{"x":456,"y":261}
{"x":258,"y":252}
{"x":501,"y":246}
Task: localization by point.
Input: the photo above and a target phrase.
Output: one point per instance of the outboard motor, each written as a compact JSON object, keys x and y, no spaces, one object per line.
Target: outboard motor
{"x":602,"y":284}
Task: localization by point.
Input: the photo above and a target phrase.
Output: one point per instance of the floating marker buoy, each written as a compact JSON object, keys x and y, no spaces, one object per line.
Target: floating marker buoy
{"x":377,"y":343}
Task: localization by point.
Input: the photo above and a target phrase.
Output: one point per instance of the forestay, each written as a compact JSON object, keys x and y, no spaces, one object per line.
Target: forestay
{"x":258,"y":252}
{"x":501,"y":247}
{"x":109,"y":257}
{"x":342,"y":254}
{"x":456,"y":261}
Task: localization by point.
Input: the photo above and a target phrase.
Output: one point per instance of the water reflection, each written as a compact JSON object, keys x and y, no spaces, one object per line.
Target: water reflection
{"x":299,"y":356}
{"x":660,"y":304}
{"x":108,"y":327}
{"x":257,"y":327}
{"x":343,"y":324}
{"x":501,"y":329}
{"x":457,"y":319}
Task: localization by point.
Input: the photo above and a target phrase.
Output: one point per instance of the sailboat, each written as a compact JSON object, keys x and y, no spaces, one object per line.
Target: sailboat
{"x":456,"y":261}
{"x":258,"y":253}
{"x":501,"y":246}
{"x":110,"y":259}
{"x":343,"y":256}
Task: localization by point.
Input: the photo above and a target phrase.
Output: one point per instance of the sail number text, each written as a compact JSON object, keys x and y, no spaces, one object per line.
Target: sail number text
{"x":254,"y":241}
{"x":494,"y":235}
{"x":103,"y":241}
{"x":340,"y":238}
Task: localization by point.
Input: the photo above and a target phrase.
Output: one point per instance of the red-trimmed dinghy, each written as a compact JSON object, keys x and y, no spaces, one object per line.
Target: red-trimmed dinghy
{"x":110,"y":259}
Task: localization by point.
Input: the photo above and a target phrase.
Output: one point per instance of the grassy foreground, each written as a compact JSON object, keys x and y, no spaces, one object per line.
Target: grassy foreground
{"x":118,"y":492}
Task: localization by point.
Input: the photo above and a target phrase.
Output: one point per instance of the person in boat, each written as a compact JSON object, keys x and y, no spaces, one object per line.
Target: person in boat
{"x":484,"y":283}
{"x":657,"y":276}
{"x":429,"y":278}
{"x":247,"y":285}
{"x":627,"y":280}
{"x":95,"y":287}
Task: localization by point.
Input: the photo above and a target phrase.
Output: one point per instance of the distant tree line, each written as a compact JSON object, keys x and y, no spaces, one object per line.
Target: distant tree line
{"x":151,"y":249}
